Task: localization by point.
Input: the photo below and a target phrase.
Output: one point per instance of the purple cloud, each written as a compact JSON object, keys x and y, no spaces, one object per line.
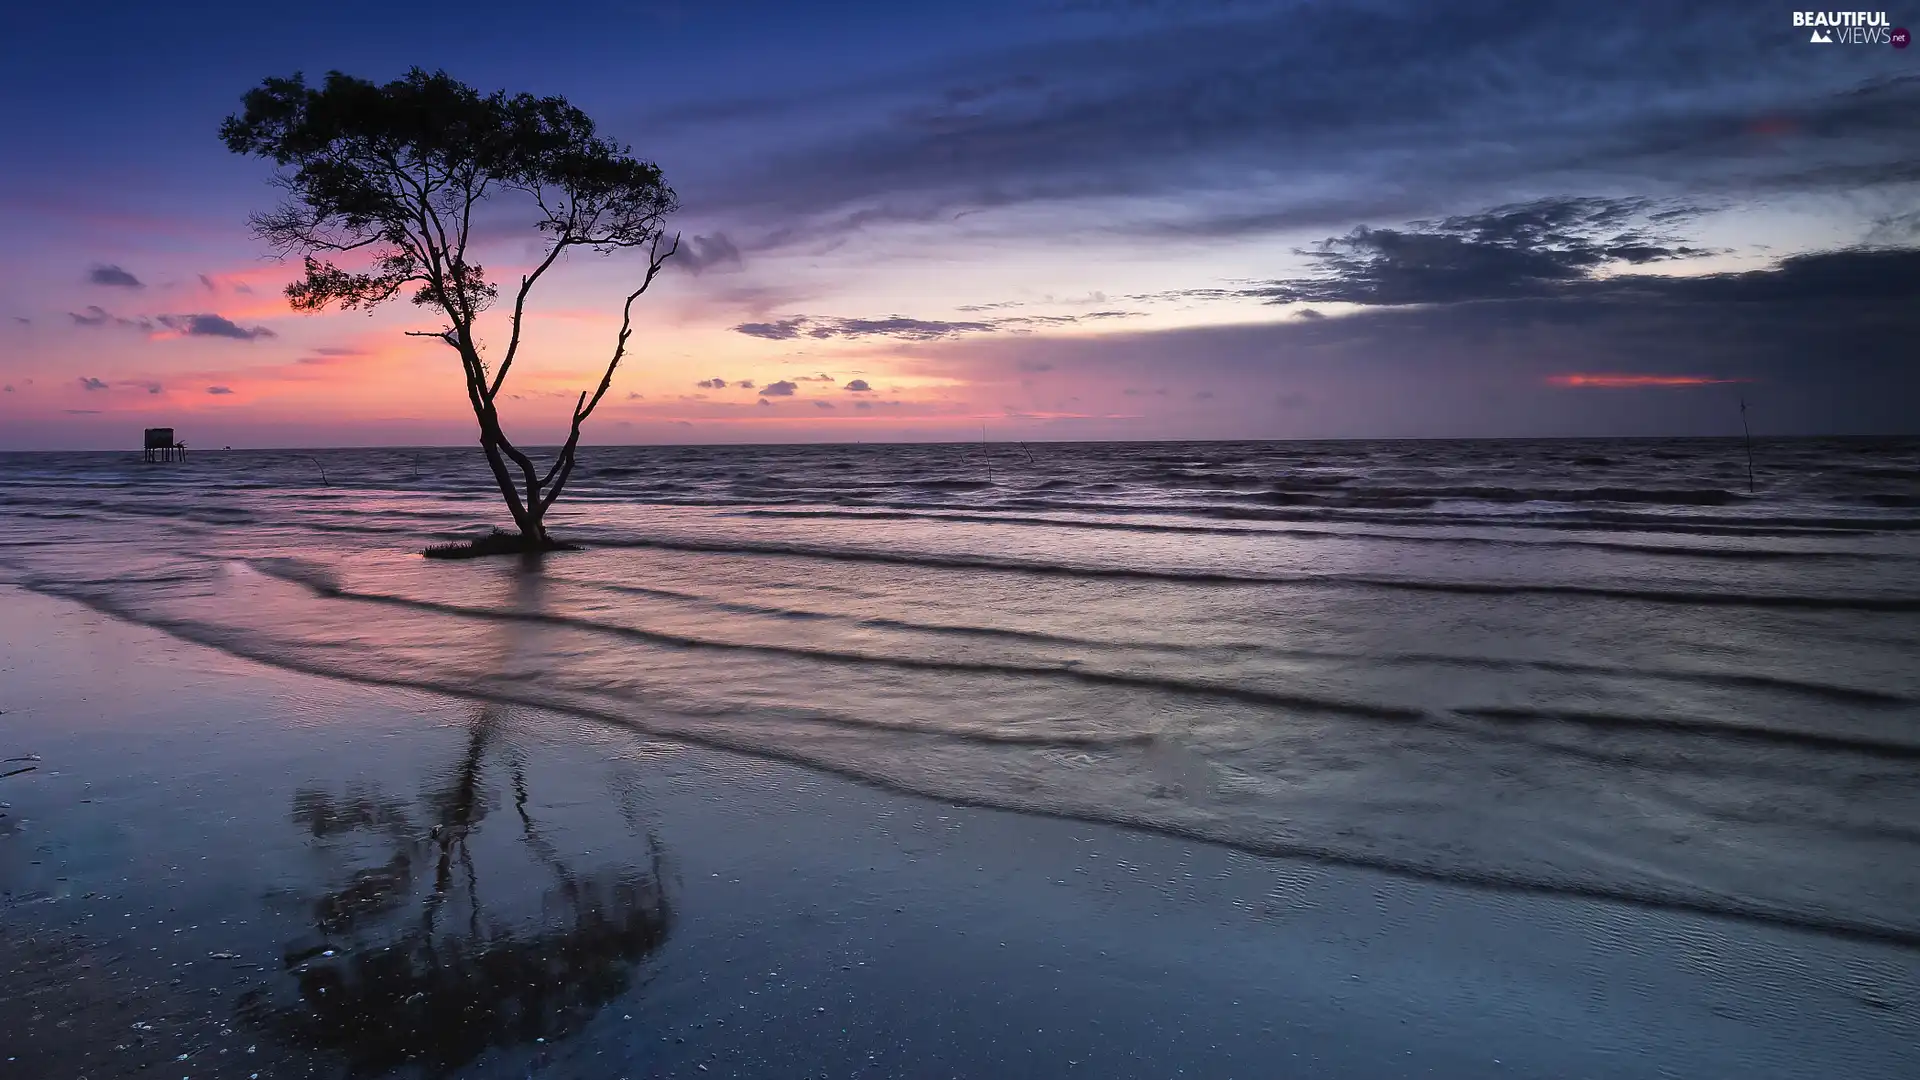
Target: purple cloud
{"x":209,"y":325}
{"x":113,"y":276}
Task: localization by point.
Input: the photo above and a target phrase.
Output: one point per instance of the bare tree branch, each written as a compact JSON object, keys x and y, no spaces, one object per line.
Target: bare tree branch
{"x":563,"y":466}
{"x":519,"y":309}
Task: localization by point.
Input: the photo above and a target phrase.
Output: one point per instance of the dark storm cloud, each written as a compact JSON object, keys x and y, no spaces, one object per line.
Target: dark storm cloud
{"x":1819,"y":134}
{"x":1825,"y":339}
{"x":1805,"y":312}
{"x":782,"y":388}
{"x":113,"y":276}
{"x":1885,"y":279}
{"x":208,"y":325}
{"x":858,"y":386}
{"x":1504,"y":253}
{"x":1482,"y":100}
{"x":1582,"y":251}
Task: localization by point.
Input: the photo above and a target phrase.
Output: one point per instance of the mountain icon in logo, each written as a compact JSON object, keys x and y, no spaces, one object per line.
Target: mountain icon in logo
{"x":1820,"y":38}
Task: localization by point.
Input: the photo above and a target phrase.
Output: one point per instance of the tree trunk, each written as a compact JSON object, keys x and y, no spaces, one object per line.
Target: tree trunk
{"x":528,"y":514}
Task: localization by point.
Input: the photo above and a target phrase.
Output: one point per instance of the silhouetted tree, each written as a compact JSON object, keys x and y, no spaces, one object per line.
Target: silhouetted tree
{"x":396,"y":173}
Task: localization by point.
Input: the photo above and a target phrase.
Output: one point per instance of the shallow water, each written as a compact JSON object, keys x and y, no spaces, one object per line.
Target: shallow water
{"x":1601,"y":668}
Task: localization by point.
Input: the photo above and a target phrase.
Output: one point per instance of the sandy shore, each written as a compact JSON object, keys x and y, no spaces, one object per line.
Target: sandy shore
{"x":221,"y":870}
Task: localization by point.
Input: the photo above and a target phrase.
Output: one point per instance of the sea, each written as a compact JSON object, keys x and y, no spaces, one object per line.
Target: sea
{"x":1676,"y":674}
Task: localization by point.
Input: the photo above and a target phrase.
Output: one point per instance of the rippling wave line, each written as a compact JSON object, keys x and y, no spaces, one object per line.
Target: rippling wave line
{"x":957,"y":667}
{"x":1231,"y":530}
{"x":1852,"y":744}
{"x":1827,"y":691}
{"x":1209,"y":577}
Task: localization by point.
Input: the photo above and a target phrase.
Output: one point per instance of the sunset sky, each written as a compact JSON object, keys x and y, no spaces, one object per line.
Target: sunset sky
{"x":1057,"y":220}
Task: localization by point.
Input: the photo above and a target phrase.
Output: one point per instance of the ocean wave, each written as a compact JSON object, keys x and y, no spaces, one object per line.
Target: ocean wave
{"x":326,"y":587}
{"x":951,"y":485}
{"x":1831,"y":692}
{"x":1360,"y":508}
{"x":1807,"y":740}
{"x":1748,"y":554}
{"x":1500,"y":494}
{"x":1578,"y":521}
{"x":1213,"y":479}
{"x":1219,"y":577}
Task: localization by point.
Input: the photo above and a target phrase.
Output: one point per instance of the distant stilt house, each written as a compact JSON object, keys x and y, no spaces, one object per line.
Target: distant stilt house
{"x":161,"y":445}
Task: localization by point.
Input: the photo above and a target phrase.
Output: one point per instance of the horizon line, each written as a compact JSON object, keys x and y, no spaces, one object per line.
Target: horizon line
{"x":1011,"y":442}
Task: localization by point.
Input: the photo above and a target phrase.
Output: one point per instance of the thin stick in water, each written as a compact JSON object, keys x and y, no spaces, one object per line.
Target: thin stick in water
{"x":1748,"y":437}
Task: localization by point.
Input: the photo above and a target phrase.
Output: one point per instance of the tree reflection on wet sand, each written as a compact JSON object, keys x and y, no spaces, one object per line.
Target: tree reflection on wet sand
{"x":410,"y":964}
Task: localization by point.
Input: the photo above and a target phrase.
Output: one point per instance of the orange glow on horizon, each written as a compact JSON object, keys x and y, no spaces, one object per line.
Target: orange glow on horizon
{"x":1626,"y":382}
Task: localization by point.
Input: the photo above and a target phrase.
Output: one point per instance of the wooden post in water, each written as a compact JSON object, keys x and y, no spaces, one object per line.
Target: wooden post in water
{"x":1747,"y":436}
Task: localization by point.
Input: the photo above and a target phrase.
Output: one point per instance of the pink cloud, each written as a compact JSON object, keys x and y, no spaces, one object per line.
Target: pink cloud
{"x":1627,"y":382}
